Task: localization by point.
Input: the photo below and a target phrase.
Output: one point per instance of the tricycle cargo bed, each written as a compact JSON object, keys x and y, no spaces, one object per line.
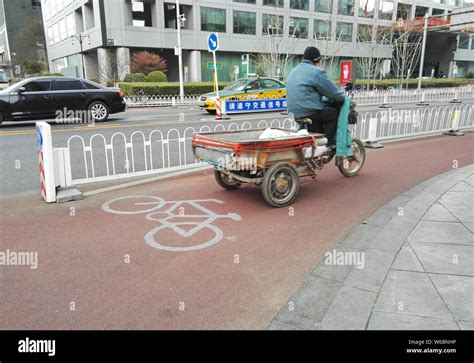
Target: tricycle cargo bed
{"x":243,"y":150}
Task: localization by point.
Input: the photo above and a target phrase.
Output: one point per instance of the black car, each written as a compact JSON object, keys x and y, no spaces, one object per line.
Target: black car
{"x":59,"y":98}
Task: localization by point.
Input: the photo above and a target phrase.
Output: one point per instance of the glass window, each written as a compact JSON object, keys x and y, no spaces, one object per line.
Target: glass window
{"x":344,"y":32}
{"x":213,"y":20}
{"x":346,"y":7}
{"x":420,"y":11}
{"x":50,"y":36}
{"x":364,"y":33}
{"x":270,"y":83}
{"x":245,"y":22}
{"x":298,"y":28}
{"x":279,"y":3}
{"x":366,"y":8}
{"x":62,"y":29}
{"x":386,"y":9}
{"x":322,"y":28}
{"x":383,"y":35}
{"x":67,"y":85}
{"x":70,"y":25}
{"x":272,"y":24}
{"x":299,"y":4}
{"x":89,"y":85}
{"x":245,"y":1}
{"x":403,"y":11}
{"x":37,"y":86}
{"x":254,"y":85}
{"x":463,"y":41}
{"x":141,"y":13}
{"x":323,"y":6}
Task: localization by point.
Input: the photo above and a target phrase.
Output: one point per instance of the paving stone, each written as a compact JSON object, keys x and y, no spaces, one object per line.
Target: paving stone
{"x":391,"y":238}
{"x":457,"y":198}
{"x":414,"y":210}
{"x":463,"y":212}
{"x":309,"y":303}
{"x":278,"y":325}
{"x":446,"y":258}
{"x":381,"y":217}
{"x":469,"y":226}
{"x":398,"y":202}
{"x":470,"y":180}
{"x":349,"y":311}
{"x":334,"y":271}
{"x":441,"y":232}
{"x":462,"y":186}
{"x":466,"y":325}
{"x":406,"y":260}
{"x":362,"y":237}
{"x":457,"y":292}
{"x":412,"y":293}
{"x":438,"y":212}
{"x":393,"y":321}
{"x":371,"y":277}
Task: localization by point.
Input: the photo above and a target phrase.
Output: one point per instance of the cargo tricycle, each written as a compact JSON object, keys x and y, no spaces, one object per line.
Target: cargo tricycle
{"x":274,"y":164}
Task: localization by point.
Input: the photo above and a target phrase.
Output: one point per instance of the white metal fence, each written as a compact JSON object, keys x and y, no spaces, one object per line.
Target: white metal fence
{"x":365,"y":98}
{"x":120,"y":156}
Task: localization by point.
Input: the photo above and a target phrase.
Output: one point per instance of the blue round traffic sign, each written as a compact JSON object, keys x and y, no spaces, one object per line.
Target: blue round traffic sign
{"x":213,"y":42}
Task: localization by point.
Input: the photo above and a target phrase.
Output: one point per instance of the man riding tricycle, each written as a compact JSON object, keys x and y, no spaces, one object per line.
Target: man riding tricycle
{"x":275,"y":159}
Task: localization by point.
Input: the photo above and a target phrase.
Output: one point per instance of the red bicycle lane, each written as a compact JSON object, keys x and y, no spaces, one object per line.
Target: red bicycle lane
{"x":97,"y":271}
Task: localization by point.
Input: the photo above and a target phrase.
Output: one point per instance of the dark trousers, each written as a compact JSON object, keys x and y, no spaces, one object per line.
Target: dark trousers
{"x":325,"y":122}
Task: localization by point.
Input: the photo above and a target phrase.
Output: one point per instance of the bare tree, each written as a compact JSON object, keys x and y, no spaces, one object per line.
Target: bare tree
{"x":329,"y":43}
{"x":407,"y":38}
{"x":277,"y":47}
{"x":370,"y":46}
{"x":112,"y":67}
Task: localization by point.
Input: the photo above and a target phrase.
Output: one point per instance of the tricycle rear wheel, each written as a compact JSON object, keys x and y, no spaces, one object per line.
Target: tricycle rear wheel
{"x":226,"y":181}
{"x":280,"y":184}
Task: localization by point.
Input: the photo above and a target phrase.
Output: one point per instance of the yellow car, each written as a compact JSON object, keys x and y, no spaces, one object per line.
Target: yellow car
{"x":245,"y":89}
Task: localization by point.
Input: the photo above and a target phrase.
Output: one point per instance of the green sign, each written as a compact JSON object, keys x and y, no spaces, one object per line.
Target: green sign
{"x":210,"y":65}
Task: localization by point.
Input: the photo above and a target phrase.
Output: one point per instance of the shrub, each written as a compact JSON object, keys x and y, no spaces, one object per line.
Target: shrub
{"x":147,"y":62}
{"x":135,"y":77}
{"x":168,"y":88}
{"x":46,"y":74}
{"x":156,"y":76}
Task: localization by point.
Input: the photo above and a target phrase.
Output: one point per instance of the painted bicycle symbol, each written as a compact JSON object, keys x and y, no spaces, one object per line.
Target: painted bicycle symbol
{"x":158,"y":209}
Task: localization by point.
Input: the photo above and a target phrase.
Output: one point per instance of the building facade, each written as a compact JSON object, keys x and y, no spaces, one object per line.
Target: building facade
{"x":116,"y":29}
{"x":21,"y":35}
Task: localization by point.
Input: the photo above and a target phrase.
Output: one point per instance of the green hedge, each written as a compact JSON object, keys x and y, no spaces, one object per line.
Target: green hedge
{"x":156,"y":76}
{"x":135,"y":77}
{"x":413,"y":83}
{"x":168,"y":88}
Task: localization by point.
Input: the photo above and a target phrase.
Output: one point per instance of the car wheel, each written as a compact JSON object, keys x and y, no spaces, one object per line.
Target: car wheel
{"x":99,"y":111}
{"x":212,"y":112}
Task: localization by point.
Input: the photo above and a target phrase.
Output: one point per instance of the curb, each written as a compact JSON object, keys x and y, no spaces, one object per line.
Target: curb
{"x":342,"y":297}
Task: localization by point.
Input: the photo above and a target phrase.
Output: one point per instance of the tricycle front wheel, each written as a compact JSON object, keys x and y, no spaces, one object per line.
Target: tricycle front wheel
{"x":350,"y":166}
{"x":280,"y":184}
{"x":226,"y":181}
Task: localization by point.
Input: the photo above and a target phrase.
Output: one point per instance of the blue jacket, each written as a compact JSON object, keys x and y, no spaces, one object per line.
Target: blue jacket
{"x":305,"y":87}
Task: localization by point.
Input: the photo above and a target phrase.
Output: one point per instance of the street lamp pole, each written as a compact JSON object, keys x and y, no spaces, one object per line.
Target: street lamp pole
{"x":423,"y":46}
{"x":80,"y":38}
{"x":179,"y":20}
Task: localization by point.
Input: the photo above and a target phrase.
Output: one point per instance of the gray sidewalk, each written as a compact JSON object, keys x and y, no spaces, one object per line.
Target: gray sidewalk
{"x":410,"y":266}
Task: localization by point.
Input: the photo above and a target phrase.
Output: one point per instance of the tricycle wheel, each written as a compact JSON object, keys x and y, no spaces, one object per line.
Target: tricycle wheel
{"x":226,"y":181}
{"x":280,"y":184}
{"x":350,"y":166}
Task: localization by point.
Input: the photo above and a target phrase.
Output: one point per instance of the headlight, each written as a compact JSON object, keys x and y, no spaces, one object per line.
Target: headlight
{"x":203,"y":98}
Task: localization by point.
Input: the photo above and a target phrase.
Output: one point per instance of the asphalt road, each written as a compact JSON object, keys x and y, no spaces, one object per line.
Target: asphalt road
{"x":19,"y":164}
{"x":96,"y":269}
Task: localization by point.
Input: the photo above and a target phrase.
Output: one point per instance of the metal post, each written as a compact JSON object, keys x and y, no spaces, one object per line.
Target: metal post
{"x":82,"y":58}
{"x":423,"y":46}
{"x":180,"y":54}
